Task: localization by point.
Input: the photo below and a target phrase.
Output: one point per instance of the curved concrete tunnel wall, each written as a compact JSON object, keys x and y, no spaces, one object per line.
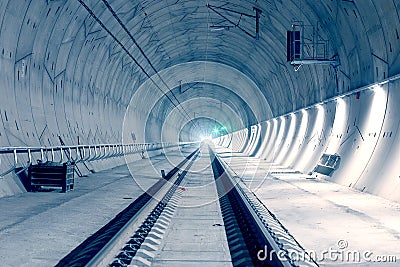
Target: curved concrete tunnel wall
{"x":147,"y":96}
{"x":230,"y":117}
{"x":361,"y":127}
{"x":65,"y":76}
{"x":203,"y":132}
{"x":50,"y":84}
{"x":68,"y":79}
{"x":208,"y":100}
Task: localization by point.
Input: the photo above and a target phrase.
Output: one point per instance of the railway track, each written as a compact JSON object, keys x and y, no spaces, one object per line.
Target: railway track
{"x":91,"y":247}
{"x":134,"y":237}
{"x":255,"y":236}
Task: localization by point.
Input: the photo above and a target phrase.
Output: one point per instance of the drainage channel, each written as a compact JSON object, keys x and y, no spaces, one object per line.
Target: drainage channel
{"x":255,"y":236}
{"x":91,"y":248}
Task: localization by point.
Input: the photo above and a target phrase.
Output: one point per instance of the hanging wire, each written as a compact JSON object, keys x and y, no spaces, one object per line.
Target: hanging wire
{"x":185,"y":114}
{"x":208,"y":33}
{"x":143,"y":53}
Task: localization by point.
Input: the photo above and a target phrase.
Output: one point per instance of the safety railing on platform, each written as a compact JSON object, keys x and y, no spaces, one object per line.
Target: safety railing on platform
{"x":23,"y":157}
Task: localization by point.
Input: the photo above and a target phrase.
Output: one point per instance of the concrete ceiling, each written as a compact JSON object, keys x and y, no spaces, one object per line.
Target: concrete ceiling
{"x":79,"y":78}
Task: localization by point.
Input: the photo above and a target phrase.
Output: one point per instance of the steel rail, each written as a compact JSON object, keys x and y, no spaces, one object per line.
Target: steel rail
{"x":265,"y":241}
{"x":93,"y":249}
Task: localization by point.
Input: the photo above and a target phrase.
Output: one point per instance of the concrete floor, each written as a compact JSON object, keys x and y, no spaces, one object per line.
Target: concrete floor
{"x":38,"y":229}
{"x":197,"y":235}
{"x":325,"y":216}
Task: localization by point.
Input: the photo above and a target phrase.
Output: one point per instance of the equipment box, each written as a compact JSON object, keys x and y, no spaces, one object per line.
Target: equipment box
{"x":51,"y":174}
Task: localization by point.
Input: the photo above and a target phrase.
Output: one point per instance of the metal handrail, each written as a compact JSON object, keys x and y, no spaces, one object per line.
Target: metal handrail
{"x":13,"y":167}
{"x":83,"y":153}
{"x":29,"y":162}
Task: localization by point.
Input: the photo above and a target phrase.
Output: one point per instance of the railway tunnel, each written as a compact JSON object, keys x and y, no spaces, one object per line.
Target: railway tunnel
{"x":187,"y":133}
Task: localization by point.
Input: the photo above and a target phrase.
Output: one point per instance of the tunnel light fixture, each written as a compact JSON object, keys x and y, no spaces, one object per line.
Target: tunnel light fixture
{"x":352,"y":92}
{"x":377,"y":88}
{"x":339,"y":126}
{"x":379,"y":101}
{"x":215,"y":28}
{"x":315,"y":123}
{"x":219,"y":131}
{"x":341,"y":111}
{"x":319,"y":107}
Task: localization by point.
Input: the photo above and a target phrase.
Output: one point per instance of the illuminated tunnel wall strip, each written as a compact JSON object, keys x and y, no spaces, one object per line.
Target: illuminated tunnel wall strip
{"x":361,"y":127}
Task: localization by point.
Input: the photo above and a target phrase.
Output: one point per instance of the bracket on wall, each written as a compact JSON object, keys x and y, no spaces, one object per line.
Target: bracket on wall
{"x":231,"y":24}
{"x":305,"y":46}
